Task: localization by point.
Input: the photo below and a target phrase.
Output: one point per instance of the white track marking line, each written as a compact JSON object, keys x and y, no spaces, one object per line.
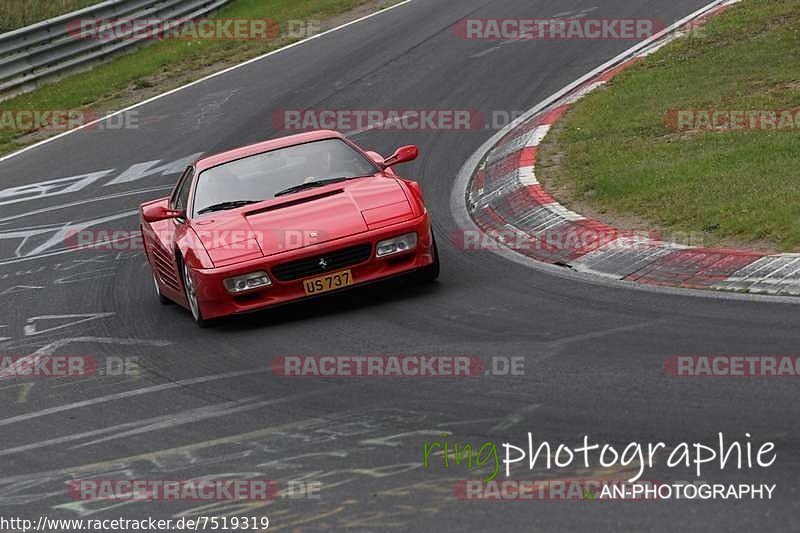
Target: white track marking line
{"x":88,"y":201}
{"x":147,"y":425}
{"x":527,"y":176}
{"x":201,"y":80}
{"x":381,"y":123}
{"x":129,"y":394}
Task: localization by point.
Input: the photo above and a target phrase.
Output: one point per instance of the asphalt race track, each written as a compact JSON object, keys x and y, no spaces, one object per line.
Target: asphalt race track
{"x":206,"y":402}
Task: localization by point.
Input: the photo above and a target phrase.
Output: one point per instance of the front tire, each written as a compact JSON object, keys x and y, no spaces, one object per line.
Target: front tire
{"x":163,"y":300}
{"x":430,"y":273}
{"x":191,"y":297}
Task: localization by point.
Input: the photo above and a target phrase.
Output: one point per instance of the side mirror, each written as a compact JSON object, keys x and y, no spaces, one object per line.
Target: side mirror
{"x":159,"y":211}
{"x":404,"y":154}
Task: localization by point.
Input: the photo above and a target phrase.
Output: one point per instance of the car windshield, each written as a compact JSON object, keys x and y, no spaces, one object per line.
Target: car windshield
{"x":262,"y":176}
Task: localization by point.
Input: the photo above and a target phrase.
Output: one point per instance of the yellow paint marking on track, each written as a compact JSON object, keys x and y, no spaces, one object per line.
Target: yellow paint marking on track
{"x":24,"y":390}
{"x":149,"y":456}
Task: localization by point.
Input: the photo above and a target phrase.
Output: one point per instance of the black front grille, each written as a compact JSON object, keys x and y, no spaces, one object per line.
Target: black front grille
{"x":312,"y":266}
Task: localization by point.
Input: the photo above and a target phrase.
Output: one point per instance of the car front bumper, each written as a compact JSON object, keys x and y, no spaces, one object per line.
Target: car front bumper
{"x":215,"y":301}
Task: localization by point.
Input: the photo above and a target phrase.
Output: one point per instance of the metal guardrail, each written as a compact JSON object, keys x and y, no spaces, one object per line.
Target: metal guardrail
{"x":46,"y":48}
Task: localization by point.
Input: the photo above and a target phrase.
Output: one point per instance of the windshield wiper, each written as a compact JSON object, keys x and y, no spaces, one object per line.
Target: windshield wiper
{"x":309,"y":185}
{"x":227,"y":205}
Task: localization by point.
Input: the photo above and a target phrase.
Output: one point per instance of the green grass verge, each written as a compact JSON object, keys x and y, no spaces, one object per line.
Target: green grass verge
{"x":613,"y":152}
{"x":18,"y":13}
{"x":165,"y":64}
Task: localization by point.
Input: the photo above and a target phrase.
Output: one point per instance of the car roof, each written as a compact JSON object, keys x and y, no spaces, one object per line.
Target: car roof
{"x":265,"y":146}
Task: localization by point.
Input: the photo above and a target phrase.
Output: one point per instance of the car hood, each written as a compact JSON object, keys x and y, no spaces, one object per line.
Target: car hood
{"x":304,"y":219}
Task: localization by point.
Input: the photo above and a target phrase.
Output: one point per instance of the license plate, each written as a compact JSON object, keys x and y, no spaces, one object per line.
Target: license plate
{"x":328,"y":282}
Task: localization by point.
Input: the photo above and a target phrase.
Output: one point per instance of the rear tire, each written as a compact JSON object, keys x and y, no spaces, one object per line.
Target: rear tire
{"x":163,"y":300}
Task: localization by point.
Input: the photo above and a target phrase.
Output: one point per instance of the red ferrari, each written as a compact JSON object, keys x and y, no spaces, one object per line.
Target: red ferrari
{"x":284,"y":220}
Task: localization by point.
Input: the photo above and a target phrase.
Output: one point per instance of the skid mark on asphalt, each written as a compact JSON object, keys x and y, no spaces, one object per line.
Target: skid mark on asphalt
{"x":515,"y":418}
{"x":51,"y":348}
{"x":43,"y":241}
{"x":51,"y":188}
{"x":208,"y":111}
{"x":49,"y":210}
{"x":128,"y":394}
{"x":91,"y":268}
{"x":575,"y":14}
{"x":54,"y":236}
{"x":138,"y":427}
{"x":267,"y":443}
{"x":23,"y":392}
{"x":20,"y":288}
{"x":338,"y":451}
{"x":559,"y":343}
{"x":32,"y":325}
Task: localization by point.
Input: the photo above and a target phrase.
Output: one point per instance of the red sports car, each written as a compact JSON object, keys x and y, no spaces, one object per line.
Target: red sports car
{"x":284,"y":220}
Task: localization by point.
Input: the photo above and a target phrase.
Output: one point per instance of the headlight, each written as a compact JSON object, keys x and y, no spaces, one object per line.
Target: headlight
{"x":400,"y":244}
{"x":247,"y":282}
